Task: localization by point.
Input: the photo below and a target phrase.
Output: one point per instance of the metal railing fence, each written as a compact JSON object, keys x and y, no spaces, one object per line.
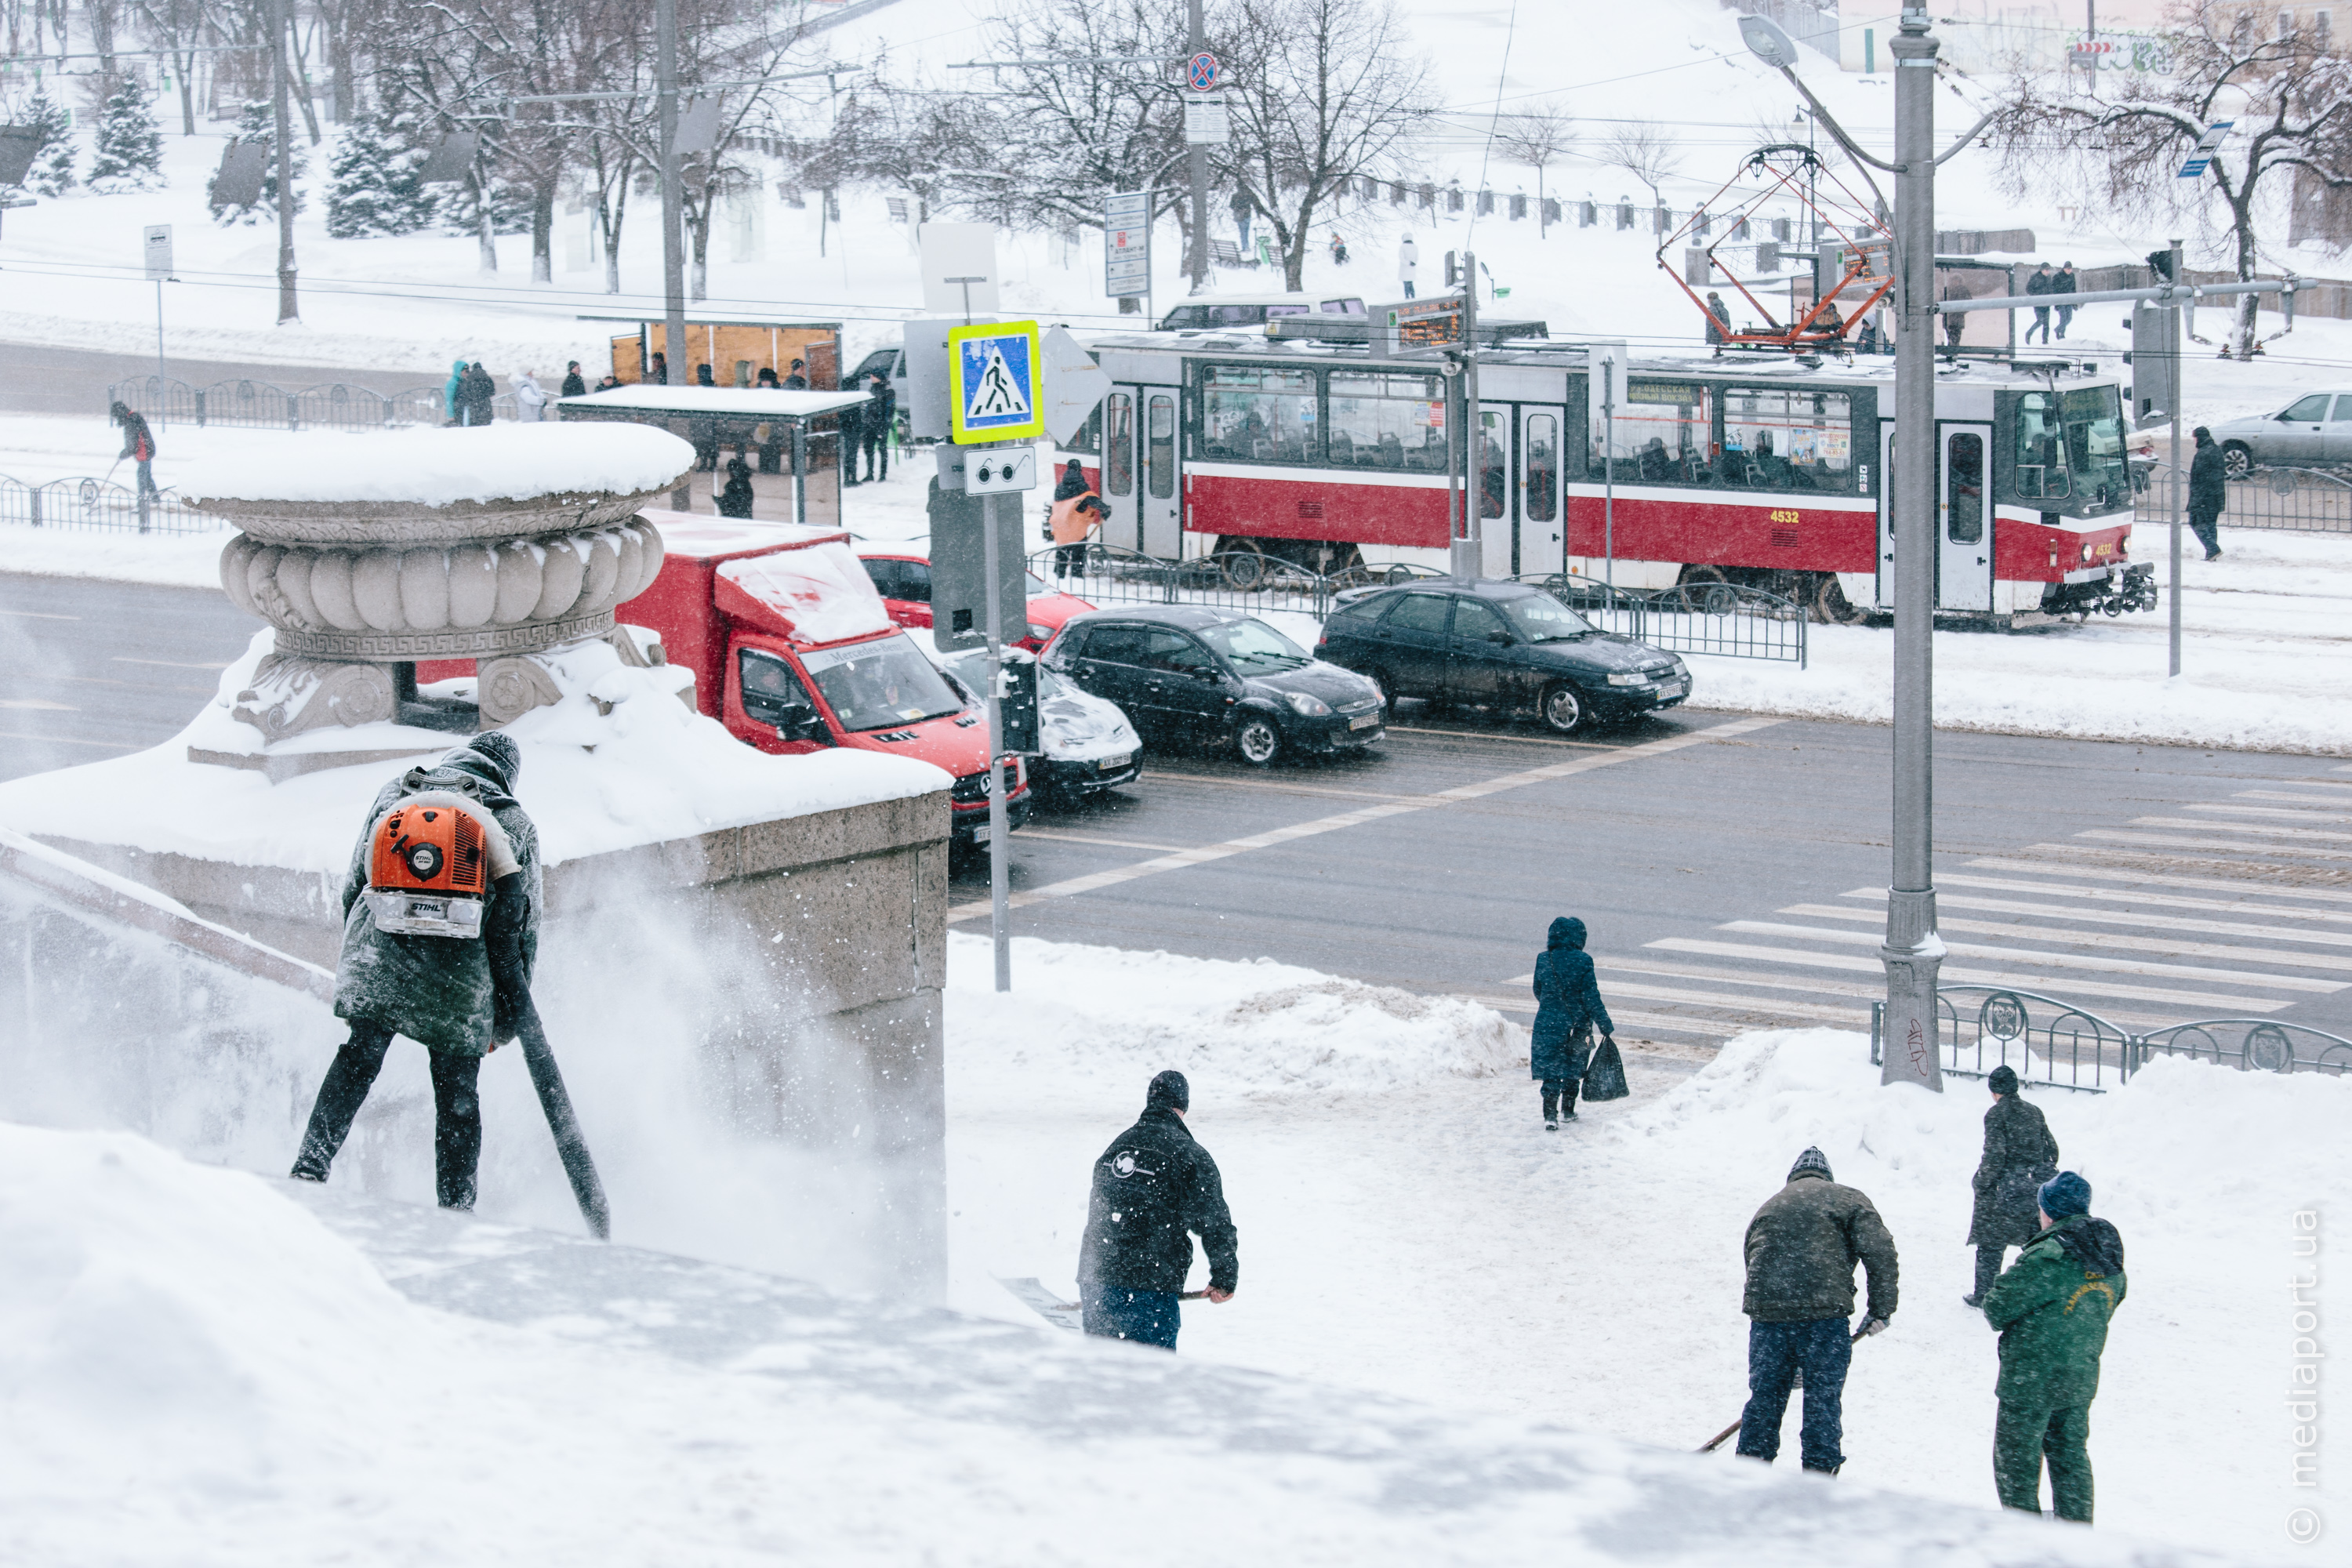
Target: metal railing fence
{"x":2058,"y":1044}
{"x":2287,"y":500}
{"x":101,"y":505}
{"x":262,"y":405}
{"x":1720,"y":618}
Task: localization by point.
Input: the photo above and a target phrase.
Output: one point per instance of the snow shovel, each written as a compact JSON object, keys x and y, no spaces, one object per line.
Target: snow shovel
{"x":553,"y":1100}
{"x":1712,"y":1444}
{"x":1060,"y":1313}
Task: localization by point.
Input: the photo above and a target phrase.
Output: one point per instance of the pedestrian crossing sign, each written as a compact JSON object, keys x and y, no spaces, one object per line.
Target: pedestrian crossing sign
{"x":993,"y":392}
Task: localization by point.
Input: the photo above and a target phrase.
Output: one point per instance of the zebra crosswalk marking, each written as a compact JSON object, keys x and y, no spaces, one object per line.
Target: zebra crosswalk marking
{"x":2304,"y":819}
{"x":2132,"y":943}
{"x":2167,"y":901}
{"x":2101,"y":873}
{"x":2254,"y":829}
{"x":2154,"y":923}
{"x":2036,"y":959}
{"x":2167,"y":841}
{"x":2000,"y":978}
{"x":1732,"y":976}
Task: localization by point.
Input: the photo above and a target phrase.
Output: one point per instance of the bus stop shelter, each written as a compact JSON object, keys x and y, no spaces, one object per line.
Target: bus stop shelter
{"x":804,"y":427}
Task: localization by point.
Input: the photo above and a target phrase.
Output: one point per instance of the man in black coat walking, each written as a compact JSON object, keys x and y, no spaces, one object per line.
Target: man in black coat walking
{"x":476,"y":398}
{"x":2209,"y":492}
{"x":881,"y":413}
{"x":2040,"y":284}
{"x":575,"y":384}
{"x":1154,"y":1189}
{"x":2063,"y":282}
{"x":2020,"y":1155}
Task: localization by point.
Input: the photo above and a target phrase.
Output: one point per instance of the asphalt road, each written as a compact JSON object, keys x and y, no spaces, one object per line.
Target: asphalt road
{"x":74,"y":381}
{"x":1729,"y":866}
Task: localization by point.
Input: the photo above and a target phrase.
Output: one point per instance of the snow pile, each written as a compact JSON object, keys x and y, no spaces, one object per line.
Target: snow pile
{"x":436,"y":467}
{"x":819,"y":590}
{"x":1100,"y":1018}
{"x":167,"y":1325}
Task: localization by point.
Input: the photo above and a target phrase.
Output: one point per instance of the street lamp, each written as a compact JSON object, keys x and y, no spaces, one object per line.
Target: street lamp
{"x":1912,"y":952}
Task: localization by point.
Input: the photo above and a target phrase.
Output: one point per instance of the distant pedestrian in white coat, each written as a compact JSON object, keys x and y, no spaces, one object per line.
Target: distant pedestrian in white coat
{"x":1408,"y":263}
{"x":530,"y":398}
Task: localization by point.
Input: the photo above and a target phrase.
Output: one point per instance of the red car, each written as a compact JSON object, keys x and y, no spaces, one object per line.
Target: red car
{"x":904,"y":581}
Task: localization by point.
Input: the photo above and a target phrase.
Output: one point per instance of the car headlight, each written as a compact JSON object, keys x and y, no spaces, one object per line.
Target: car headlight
{"x":1306,"y":705}
{"x":1633,"y":678}
{"x":1040,"y":633}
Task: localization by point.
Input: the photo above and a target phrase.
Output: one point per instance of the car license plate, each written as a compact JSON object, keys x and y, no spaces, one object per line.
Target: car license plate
{"x":1674,"y":688}
{"x":1112,"y":764}
{"x":1363,"y":720}
{"x":980,"y":834}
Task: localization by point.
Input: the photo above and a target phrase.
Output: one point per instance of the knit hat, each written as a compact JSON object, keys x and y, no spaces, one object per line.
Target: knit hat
{"x":502,"y":753}
{"x":1170,"y":1091}
{"x":2003,"y":1079}
{"x":2065,"y":1195}
{"x":1812,"y":1162}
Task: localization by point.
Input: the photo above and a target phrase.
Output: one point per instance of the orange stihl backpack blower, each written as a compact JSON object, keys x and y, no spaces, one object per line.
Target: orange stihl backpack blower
{"x":429,"y":867}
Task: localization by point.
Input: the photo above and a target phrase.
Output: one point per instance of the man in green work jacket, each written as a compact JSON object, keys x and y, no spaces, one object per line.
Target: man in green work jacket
{"x":2051,"y":1308}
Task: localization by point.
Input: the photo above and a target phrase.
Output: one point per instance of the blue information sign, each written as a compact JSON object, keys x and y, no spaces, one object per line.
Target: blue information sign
{"x":994,"y":385}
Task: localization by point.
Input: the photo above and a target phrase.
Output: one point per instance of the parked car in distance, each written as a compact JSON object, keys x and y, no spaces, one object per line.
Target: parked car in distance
{"x":1185,"y":670}
{"x":2314,"y":430}
{"x":1503,"y":645}
{"x":1209,"y":311}
{"x":1089,"y":746}
{"x":903,"y":578}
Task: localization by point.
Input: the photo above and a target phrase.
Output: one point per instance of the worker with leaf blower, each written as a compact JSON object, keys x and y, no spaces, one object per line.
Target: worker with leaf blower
{"x":440,"y":931}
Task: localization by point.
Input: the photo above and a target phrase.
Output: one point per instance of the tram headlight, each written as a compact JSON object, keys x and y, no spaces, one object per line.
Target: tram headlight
{"x":2087,"y":552}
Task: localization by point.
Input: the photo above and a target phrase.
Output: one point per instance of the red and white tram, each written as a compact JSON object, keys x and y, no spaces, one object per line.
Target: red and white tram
{"x":1768,"y":472}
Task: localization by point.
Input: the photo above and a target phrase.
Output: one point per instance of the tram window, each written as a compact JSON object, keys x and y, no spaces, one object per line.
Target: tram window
{"x":1159,"y":459}
{"x":1665,"y":434}
{"x":1494,"y":464}
{"x":1786,"y":438}
{"x":1388,"y":422}
{"x":1259,"y":415}
{"x":2040,"y":453}
{"x":1118,"y":459}
{"x":1540,"y":468}
{"x":1964,"y":498}
{"x":1089,"y":439}
{"x":2093,"y":417}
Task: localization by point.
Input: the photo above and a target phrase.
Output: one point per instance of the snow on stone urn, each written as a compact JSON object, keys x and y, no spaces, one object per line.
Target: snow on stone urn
{"x":369,"y":554}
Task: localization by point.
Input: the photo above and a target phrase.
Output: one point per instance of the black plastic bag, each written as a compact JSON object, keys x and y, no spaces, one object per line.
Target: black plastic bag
{"x":1604,"y":1075}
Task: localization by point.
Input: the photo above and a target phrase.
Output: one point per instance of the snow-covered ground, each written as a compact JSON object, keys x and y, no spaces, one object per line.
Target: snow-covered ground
{"x":1489,"y":1343}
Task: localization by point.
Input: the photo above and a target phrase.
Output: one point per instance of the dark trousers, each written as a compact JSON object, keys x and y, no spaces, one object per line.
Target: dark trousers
{"x":1989,"y":1260}
{"x":147,"y":477}
{"x":1408,"y":289}
{"x":2205,"y":522}
{"x":1070,"y":560}
{"x":2040,"y":323}
{"x":878,"y":458}
{"x":1822,"y":1350}
{"x":2066,"y":314}
{"x":1146,"y":1317}
{"x":1560,"y":1097}
{"x":457,"y":1112}
{"x":2026,"y":1436}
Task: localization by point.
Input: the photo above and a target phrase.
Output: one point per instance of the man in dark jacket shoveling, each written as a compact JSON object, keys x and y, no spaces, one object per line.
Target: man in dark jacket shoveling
{"x":1802,"y":1246}
{"x":2020,"y":1155}
{"x":1153,"y":1189}
{"x":457,"y":996}
{"x":1568,"y":1009}
{"x":2053,"y":1308}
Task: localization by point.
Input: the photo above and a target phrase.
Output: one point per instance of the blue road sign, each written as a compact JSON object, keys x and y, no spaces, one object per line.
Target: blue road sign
{"x":994,"y":394}
{"x":2207,"y":145}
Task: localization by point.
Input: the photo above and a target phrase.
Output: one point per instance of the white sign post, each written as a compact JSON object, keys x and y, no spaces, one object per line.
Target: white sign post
{"x":158,"y":250}
{"x":960,"y":276}
{"x":1126,"y":246}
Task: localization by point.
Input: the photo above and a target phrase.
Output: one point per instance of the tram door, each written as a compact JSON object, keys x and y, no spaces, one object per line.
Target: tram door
{"x":1140,"y":479}
{"x":1963,"y":517}
{"x":1518,"y":491}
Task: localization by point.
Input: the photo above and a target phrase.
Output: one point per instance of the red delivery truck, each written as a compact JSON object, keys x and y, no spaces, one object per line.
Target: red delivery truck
{"x":793,"y":650}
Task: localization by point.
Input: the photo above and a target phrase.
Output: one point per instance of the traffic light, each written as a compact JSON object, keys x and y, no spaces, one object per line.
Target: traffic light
{"x":1019,"y":707}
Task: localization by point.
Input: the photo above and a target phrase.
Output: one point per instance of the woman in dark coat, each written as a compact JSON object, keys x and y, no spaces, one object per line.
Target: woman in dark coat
{"x":735,"y":500}
{"x":1568,"y":1008}
{"x":476,"y":396}
{"x":2020,"y":1155}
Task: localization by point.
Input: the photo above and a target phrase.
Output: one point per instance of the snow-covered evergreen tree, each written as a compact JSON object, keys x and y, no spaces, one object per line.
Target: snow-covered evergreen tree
{"x":52,"y":173}
{"x":130,"y":154}
{"x":371,"y":183}
{"x":256,"y":124}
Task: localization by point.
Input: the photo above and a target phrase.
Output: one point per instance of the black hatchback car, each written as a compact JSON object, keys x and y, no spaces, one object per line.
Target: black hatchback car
{"x":1503,"y":645}
{"x":1216,"y":675}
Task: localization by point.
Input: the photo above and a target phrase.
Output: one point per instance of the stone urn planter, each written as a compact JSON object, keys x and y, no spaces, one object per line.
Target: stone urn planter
{"x":359,"y":591}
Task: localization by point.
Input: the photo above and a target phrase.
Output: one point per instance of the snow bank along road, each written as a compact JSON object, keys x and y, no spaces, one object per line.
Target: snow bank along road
{"x":1729,"y":868}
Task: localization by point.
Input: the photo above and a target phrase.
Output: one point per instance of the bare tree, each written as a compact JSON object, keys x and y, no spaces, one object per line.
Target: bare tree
{"x":2290,"y":95}
{"x":1648,"y":152}
{"x":1324,"y":90}
{"x":1537,"y":136}
{"x":178,"y":27}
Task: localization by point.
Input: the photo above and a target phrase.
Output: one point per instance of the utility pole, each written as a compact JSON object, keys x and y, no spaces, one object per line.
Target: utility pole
{"x":289,"y":308}
{"x":672,"y":198}
{"x":1469,"y":550}
{"x":2179,"y":477}
{"x":1197,"y":258}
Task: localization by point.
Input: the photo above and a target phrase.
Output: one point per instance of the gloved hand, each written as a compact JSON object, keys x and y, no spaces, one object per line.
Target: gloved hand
{"x":1873,"y":1325}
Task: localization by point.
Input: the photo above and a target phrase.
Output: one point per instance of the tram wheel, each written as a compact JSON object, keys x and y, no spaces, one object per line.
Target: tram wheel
{"x":1245,"y":570}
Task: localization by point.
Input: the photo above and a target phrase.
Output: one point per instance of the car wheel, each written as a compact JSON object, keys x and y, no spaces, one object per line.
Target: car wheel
{"x":1257,"y":740}
{"x":1562,"y":709}
{"x":2237,"y":460}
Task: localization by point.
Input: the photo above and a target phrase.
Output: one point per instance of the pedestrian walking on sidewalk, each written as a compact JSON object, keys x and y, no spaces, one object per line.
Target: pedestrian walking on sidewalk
{"x":1154,"y":1189}
{"x":575,"y":384}
{"x":1568,"y":1009}
{"x":138,"y":444}
{"x":530,"y":399}
{"x":1802,"y":1247}
{"x":2209,"y":492}
{"x":2042,"y":283}
{"x":477,"y":397}
{"x":1076,"y":516}
{"x":2053,"y":1308}
{"x":2020,"y":1155}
